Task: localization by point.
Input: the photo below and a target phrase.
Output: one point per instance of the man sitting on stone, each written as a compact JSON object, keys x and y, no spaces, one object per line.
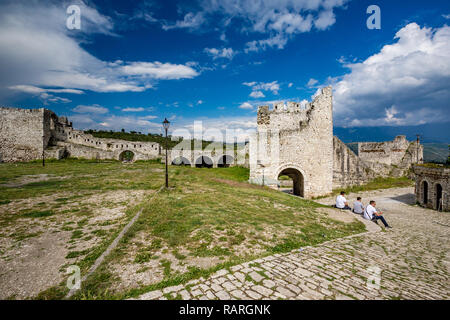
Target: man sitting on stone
{"x":358,"y":207}
{"x":371,"y":213}
{"x":341,"y":202}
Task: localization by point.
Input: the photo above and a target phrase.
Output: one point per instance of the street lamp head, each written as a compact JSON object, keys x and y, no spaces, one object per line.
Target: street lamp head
{"x":166,"y":124}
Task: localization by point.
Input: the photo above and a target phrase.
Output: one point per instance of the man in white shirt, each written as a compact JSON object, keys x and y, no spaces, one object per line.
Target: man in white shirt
{"x":358,"y":207}
{"x":341,"y":202}
{"x":371,"y":213}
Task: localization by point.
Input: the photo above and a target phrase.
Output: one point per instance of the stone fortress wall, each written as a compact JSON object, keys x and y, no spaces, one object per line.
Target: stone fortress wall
{"x":26,"y":133}
{"x":391,"y":157}
{"x":21,"y":134}
{"x":293,"y":140}
{"x":348,"y":168}
{"x":297,"y":141}
{"x":432,"y":187}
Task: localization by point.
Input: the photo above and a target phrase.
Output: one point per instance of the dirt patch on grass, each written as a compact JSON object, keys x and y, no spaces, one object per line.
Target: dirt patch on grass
{"x":339,"y":215}
{"x":61,"y":230}
{"x":33,"y":266}
{"x":27,"y":179}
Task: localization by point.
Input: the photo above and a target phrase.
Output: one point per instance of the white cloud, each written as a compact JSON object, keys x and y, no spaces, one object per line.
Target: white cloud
{"x":225,"y":53}
{"x":406,"y":83}
{"x":139,"y":109}
{"x":290,"y":85}
{"x":446,"y":16}
{"x":278,"y":41}
{"x":226,"y":129}
{"x":158,"y":70}
{"x":273,"y":86}
{"x":199,"y":102}
{"x":280,"y":19}
{"x":44,"y":94}
{"x":190,"y":21}
{"x":38,"y":51}
{"x":149,"y":117}
{"x":257,"y":94}
{"x":312,"y":82}
{"x":246,"y":106}
{"x":36,"y":90}
{"x":95,"y":109}
{"x":325,"y":20}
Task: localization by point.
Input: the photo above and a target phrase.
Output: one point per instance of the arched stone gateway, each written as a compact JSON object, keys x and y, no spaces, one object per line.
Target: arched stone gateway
{"x":298,"y":181}
{"x":126,"y":156}
{"x":425,"y":192}
{"x":204,"y":162}
{"x":225,"y":161}
{"x":181,"y":161}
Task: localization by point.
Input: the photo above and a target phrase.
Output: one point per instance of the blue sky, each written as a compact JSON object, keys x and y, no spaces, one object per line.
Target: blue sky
{"x":133,"y":63}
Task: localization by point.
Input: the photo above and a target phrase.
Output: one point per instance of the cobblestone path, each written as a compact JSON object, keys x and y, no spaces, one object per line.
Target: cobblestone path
{"x":412,"y":261}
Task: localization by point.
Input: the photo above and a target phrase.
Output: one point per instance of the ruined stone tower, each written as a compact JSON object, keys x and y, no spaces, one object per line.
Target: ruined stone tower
{"x":295,"y":140}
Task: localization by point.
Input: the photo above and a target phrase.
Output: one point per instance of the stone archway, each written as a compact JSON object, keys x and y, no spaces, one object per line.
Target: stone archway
{"x":425,"y":192}
{"x":203,"y":162}
{"x":298,"y":181}
{"x":438,"y":197}
{"x":126,"y":156}
{"x":225,"y":161}
{"x":65,"y":154}
{"x":181,"y":161}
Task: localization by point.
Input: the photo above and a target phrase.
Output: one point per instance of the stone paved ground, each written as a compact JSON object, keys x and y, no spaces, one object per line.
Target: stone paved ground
{"x":413,"y":260}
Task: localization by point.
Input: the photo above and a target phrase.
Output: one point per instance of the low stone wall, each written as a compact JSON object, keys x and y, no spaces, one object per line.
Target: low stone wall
{"x":432,"y":185}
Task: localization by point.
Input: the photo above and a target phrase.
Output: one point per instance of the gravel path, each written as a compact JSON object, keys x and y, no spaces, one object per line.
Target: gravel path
{"x":410,"y":261}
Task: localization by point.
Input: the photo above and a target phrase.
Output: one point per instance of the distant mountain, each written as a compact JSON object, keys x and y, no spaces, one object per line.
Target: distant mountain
{"x":430,"y":133}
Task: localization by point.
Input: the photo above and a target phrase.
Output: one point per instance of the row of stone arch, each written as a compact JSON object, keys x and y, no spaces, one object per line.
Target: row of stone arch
{"x":427,"y":201}
{"x":205,"y":162}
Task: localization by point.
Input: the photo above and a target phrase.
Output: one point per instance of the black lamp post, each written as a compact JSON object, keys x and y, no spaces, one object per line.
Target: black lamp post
{"x":166,"y":125}
{"x":43,"y":151}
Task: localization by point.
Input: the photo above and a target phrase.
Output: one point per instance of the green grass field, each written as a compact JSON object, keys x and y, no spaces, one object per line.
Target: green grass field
{"x":209,"y":219}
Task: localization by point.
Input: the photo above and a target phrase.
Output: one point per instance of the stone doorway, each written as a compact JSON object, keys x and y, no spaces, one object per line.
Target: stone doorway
{"x":298,"y":182}
{"x":126,"y":156}
{"x":425,"y":193}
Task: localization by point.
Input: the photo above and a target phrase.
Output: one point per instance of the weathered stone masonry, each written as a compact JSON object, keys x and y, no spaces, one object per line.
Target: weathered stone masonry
{"x":433,"y":187}
{"x":26,"y":133}
{"x":297,"y":141}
